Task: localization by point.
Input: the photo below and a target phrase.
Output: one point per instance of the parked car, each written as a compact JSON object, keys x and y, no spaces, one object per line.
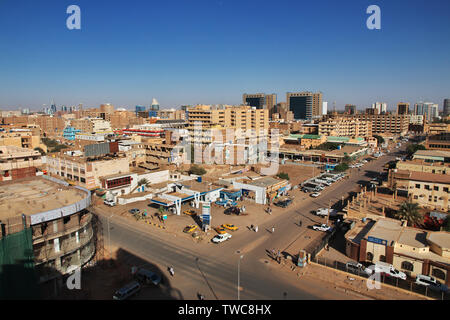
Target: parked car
{"x":190,"y":212}
{"x":387,"y":269}
{"x":221,"y":230}
{"x":127,"y":291}
{"x":221,"y":238}
{"x":357,"y":267}
{"x":431,"y":283}
{"x":283,"y":203}
{"x":321,"y":227}
{"x":231,"y":227}
{"x":315,"y":194}
{"x":189,"y":229}
{"x":110,"y":202}
{"x":134,"y":211}
{"x":148,"y":277}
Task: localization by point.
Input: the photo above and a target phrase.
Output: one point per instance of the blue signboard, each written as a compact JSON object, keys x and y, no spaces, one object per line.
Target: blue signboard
{"x":376,"y":240}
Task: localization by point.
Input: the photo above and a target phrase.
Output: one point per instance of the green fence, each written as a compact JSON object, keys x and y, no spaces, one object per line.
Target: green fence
{"x":18,"y":279}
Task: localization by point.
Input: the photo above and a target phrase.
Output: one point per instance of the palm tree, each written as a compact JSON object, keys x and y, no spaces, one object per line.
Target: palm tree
{"x":409,"y":211}
{"x":143,"y":182}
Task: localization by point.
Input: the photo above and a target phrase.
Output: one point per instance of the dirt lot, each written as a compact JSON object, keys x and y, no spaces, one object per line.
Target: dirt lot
{"x":297,"y":173}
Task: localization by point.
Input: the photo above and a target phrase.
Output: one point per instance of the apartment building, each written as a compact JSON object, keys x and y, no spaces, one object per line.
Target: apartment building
{"x":91,"y":125}
{"x":261,"y":101}
{"x":342,"y":127}
{"x":402,"y":108}
{"x":381,"y":123}
{"x":51,"y":126}
{"x":242,"y":117}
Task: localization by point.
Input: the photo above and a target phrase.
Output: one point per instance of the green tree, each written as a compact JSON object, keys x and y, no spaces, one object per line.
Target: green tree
{"x":446,"y":224}
{"x":341,"y":167}
{"x":409,"y":211}
{"x":328,"y":146}
{"x":380,"y":139}
{"x":197,"y":170}
{"x":283,"y":175}
{"x":347,"y":159}
{"x":412,"y":148}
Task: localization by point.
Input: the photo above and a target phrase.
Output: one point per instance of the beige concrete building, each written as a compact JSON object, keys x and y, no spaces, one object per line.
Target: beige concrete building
{"x":420,"y":165}
{"x":17,"y":163}
{"x":91,"y":125}
{"x":80,"y":171}
{"x":342,"y":127}
{"x":23,"y":139}
{"x":429,"y":190}
{"x":61,"y":226}
{"x":381,"y":123}
{"x":411,"y":250}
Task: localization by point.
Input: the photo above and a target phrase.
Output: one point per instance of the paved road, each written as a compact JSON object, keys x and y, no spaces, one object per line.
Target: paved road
{"x":215,"y":274}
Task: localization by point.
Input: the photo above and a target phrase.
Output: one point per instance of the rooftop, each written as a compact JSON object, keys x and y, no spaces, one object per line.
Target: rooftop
{"x":441,"y":238}
{"x":433,"y":153}
{"x":386,"y":229}
{"x":422,"y":176}
{"x":264,"y":182}
{"x":34,"y":195}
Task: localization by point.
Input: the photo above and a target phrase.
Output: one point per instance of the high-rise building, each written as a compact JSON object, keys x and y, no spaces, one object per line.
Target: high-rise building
{"x":140,"y":109}
{"x":402,"y":108}
{"x":446,"y":107}
{"x":324,"y":108}
{"x":305,"y":105}
{"x":53,"y":107}
{"x":350,"y":109}
{"x":261,"y":101}
{"x":381,"y":107}
{"x":428,"y":109}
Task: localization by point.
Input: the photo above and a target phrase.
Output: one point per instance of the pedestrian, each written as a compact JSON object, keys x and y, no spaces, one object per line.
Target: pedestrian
{"x":300,"y":223}
{"x":273,"y":229}
{"x":256,"y":229}
{"x":251,"y":227}
{"x":273,"y":253}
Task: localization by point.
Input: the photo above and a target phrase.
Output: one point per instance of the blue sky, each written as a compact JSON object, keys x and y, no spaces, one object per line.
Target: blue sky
{"x":208,"y":51}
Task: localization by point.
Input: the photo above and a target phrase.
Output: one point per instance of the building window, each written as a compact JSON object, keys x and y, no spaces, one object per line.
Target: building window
{"x":417,"y":186}
{"x":369,"y":256}
{"x":427,"y":187}
{"x":382,"y":258}
{"x":438,"y":273}
{"x":406,"y":265}
{"x":436,"y":188}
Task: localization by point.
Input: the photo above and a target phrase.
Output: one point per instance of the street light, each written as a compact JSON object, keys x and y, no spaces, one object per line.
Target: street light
{"x":239,"y":280}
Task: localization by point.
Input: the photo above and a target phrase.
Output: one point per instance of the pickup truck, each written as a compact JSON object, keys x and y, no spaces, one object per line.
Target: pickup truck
{"x":386,"y":268}
{"x":323,"y":212}
{"x":109,"y":202}
{"x":221,"y":238}
{"x":322,"y":227}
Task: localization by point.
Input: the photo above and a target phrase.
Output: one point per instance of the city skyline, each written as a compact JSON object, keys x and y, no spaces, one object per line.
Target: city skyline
{"x":209,"y":53}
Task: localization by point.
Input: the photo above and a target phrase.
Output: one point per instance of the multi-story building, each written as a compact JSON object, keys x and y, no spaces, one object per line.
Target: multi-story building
{"x":428,"y":109}
{"x":402,"y":108}
{"x":305,"y":105}
{"x":50,"y":220}
{"x":85,"y":172}
{"x":429,"y":190}
{"x":242,"y":117}
{"x":380,"y":107}
{"x":343,"y":127}
{"x":446,"y":105}
{"x":411,"y":250}
{"x":69,"y":133}
{"x":51,"y":126}
{"x":381,"y":123}
{"x":17,"y":163}
{"x":261,"y":101}
{"x":22,"y":138}
{"x":439,"y":141}
{"x":420,"y":165}
{"x":350,"y":109}
{"x":91,"y":125}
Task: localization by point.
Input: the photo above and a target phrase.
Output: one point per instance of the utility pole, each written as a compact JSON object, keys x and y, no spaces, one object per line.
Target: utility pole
{"x":239,"y":280}
{"x":109,"y":239}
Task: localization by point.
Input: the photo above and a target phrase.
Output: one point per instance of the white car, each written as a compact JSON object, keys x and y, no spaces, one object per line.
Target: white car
{"x":110,"y":203}
{"x":315,"y":194}
{"x":221,"y":237}
{"x":357,"y":267}
{"x":322,"y":227}
{"x":430,"y":282}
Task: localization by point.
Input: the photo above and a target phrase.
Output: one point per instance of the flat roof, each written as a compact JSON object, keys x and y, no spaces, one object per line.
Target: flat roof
{"x":194,"y":185}
{"x":386,"y":229}
{"x":34,"y":195}
{"x":433,"y":153}
{"x":423,"y":176}
{"x":440,"y":238}
{"x":264,"y":182}
{"x":413,"y":237}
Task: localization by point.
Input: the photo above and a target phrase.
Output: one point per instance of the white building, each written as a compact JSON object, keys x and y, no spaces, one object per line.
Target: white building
{"x":324,"y":107}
